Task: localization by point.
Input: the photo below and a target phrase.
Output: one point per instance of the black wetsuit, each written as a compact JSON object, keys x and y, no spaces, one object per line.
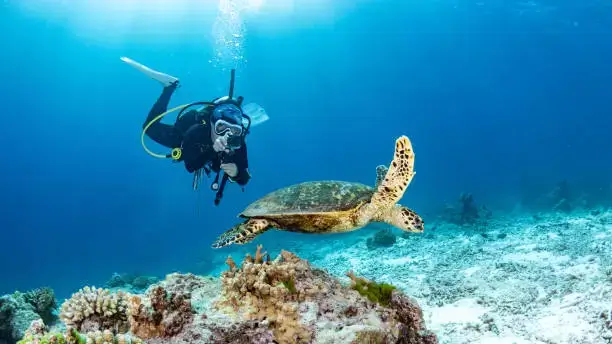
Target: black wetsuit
{"x":192,"y":133}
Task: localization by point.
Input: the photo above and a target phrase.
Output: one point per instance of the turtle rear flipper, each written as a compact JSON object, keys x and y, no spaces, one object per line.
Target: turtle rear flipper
{"x":399,"y":175}
{"x":242,"y":233}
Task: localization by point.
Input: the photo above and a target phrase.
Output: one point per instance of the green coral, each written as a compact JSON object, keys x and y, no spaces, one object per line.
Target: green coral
{"x":376,"y":292}
{"x":290,"y":285}
{"x":49,"y":338}
{"x":72,"y":336}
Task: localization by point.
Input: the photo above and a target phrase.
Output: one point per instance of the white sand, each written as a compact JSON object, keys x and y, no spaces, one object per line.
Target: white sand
{"x":544,"y":282}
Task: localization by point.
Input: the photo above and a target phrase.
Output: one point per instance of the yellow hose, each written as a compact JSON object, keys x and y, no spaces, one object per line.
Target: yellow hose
{"x":144,"y":131}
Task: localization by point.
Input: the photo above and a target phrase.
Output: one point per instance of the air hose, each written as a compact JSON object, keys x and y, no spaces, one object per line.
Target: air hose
{"x":176,"y":153}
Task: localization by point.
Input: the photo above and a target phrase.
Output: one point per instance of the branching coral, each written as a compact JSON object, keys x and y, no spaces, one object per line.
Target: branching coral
{"x":271,"y":290}
{"x":92,"y":309}
{"x":303,"y":304}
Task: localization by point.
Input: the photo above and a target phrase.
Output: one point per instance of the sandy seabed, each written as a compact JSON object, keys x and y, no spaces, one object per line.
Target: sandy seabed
{"x":519,"y":279}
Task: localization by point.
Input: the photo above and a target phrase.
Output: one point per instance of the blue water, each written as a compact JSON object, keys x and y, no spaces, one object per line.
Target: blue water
{"x":494,"y":95}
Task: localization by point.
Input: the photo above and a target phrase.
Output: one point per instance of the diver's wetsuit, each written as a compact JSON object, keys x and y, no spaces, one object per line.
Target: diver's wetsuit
{"x":192,"y":133}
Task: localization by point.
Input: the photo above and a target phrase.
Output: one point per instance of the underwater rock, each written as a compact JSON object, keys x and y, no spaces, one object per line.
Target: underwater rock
{"x":382,"y":238}
{"x":131,"y":281}
{"x":116,"y":281}
{"x":143,"y":282}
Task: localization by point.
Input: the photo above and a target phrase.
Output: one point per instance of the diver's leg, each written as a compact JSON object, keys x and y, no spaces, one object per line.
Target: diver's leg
{"x":161,"y":105}
{"x":164,"y":134}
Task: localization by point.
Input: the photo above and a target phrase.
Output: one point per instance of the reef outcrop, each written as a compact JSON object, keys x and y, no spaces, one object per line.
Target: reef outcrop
{"x":285,"y":300}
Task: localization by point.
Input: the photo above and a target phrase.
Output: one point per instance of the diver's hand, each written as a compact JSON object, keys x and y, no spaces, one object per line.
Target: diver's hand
{"x":220,"y":144}
{"x":230,"y":169}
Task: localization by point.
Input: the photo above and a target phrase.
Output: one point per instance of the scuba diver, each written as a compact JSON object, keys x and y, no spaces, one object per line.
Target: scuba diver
{"x":209,"y":138}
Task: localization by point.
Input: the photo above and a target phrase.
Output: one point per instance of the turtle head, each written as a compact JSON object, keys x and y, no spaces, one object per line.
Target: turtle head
{"x":404,"y":219}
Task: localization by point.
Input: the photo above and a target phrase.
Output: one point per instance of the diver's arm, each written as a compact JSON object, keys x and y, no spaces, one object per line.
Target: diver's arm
{"x":164,"y":134}
{"x":242,"y":162}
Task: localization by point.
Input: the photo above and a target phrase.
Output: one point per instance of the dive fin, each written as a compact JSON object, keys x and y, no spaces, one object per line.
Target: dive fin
{"x":164,"y":78}
{"x":256,"y":113}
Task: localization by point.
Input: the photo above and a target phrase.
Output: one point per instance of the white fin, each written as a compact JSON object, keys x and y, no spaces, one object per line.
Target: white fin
{"x":257,"y":114}
{"x":164,"y":78}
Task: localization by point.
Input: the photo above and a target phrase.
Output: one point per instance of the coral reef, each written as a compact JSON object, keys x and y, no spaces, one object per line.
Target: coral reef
{"x":93,"y":309}
{"x":38,"y":334}
{"x":44,"y":303}
{"x":465,"y":211}
{"x":375,"y":292}
{"x":163,"y":311}
{"x":565,"y":197}
{"x":19,"y":310}
{"x":382,"y":238}
{"x":317,"y":308}
{"x":261,"y":288}
{"x":265,"y":301}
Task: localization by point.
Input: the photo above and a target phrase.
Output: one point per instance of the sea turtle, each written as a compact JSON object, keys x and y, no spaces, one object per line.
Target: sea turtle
{"x":333,"y":206}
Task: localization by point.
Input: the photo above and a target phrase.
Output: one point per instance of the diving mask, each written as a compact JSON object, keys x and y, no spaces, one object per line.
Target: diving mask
{"x":223,"y":127}
{"x":227,"y":119}
{"x":232,"y":132}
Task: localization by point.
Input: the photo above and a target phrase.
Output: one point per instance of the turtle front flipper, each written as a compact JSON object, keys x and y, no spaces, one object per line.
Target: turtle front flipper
{"x":403,"y":218}
{"x":399,"y":175}
{"x":242,"y":233}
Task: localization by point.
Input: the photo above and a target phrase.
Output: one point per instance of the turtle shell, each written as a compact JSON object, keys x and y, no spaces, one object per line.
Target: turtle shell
{"x":310,"y":198}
